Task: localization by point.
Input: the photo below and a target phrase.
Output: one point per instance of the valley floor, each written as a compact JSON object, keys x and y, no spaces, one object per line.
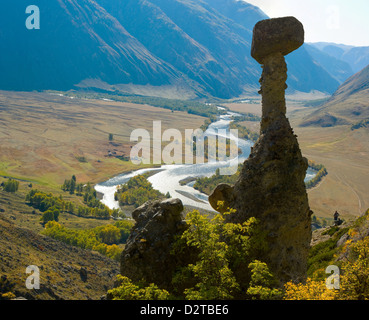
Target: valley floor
{"x":47,"y":138}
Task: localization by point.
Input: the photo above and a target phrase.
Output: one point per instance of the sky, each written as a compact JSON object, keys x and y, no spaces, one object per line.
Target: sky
{"x":338,"y":21}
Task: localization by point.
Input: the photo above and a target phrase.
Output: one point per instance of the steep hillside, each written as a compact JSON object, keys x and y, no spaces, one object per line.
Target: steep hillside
{"x":241,"y":12}
{"x":192,"y":48}
{"x":66,"y":272}
{"x":157,"y":32}
{"x":348,"y":105}
{"x":195,"y":39}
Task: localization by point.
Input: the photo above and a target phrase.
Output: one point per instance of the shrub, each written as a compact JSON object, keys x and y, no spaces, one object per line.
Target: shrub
{"x":311,"y":290}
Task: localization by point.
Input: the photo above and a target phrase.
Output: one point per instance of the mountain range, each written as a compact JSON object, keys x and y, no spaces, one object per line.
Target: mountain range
{"x":356,"y":57}
{"x":172,"y":48}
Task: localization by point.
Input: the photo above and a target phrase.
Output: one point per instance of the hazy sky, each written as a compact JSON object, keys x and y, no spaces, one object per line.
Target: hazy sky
{"x":339,"y":21}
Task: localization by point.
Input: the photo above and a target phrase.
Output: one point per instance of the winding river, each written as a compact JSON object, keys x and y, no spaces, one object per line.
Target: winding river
{"x":167,"y":178}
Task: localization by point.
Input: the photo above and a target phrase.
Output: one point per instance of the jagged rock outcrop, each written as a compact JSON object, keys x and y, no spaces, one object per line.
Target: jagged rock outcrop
{"x":271,"y":185}
{"x":148,"y":252}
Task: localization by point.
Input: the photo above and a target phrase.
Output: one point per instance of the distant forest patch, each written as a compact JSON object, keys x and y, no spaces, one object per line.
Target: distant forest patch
{"x":191,"y":107}
{"x":322,"y":172}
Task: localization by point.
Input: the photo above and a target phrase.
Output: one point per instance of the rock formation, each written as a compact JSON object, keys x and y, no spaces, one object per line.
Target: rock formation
{"x":271,"y":185}
{"x":148,"y":252}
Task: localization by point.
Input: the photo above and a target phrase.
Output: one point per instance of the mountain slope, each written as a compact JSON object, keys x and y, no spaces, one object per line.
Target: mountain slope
{"x":154,"y":29}
{"x":241,"y":12}
{"x":348,"y":105}
{"x":193,"y":38}
{"x":77,"y":40}
{"x":201,"y":47}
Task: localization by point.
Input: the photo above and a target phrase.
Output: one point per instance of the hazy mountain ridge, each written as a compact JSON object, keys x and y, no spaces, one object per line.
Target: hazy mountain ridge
{"x":348,"y":105}
{"x":356,"y":57}
{"x":201,"y":46}
{"x":338,"y":69}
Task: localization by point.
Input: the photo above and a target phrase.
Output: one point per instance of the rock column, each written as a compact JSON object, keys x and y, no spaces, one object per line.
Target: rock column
{"x":271,"y":185}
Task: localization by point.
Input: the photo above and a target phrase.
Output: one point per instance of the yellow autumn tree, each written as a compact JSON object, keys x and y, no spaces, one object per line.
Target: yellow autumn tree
{"x":355,"y":272}
{"x":311,"y":290}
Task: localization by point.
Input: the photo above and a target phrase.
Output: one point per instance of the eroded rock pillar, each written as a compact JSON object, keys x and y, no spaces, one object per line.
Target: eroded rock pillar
{"x":271,"y":185}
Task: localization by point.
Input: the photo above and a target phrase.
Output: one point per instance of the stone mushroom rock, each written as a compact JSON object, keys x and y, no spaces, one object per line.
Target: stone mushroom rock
{"x":271,"y":184}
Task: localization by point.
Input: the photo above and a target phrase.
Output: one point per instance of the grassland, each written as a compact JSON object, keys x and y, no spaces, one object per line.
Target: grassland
{"x":44,"y":136}
{"x":345,"y":154}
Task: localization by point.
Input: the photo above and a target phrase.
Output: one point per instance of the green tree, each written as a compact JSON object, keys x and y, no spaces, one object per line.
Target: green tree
{"x":137,"y":191}
{"x":263,"y":283}
{"x":222,"y":247}
{"x":124,"y":227}
{"x":111,"y":137}
{"x":51,"y":214}
{"x":72,"y":186}
{"x":11,"y":186}
{"x":108,"y":234}
{"x":86,"y":239}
